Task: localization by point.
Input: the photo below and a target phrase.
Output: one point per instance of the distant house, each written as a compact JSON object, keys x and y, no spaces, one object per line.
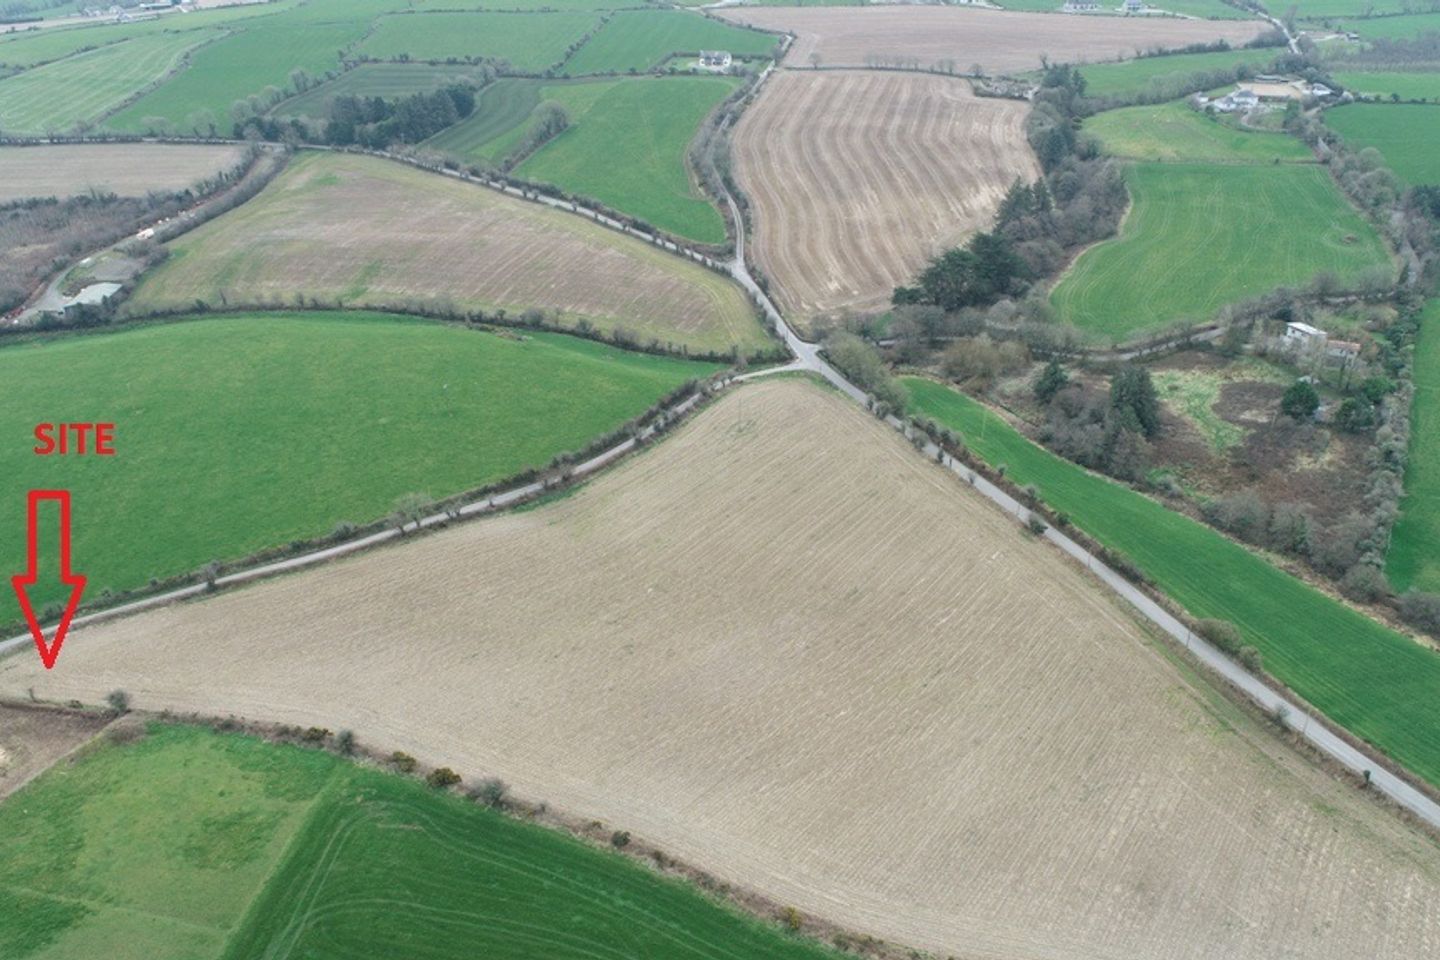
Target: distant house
{"x":1237,"y":100}
{"x":715,"y":59}
{"x":1319,"y":90}
{"x":1302,"y":334}
{"x":1133,"y":6}
{"x":1342,"y":352}
{"x":1080,"y":6}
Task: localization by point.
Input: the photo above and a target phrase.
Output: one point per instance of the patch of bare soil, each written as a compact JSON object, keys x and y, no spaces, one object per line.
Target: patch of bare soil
{"x":32,"y":740}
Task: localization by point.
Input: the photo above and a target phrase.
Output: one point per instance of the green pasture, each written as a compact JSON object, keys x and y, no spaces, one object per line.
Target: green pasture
{"x":150,"y":851}
{"x":1151,"y":73}
{"x":79,"y":90}
{"x":1406,"y":134}
{"x":26,"y":48}
{"x":636,"y":40}
{"x":1176,"y":132}
{"x":245,"y":432}
{"x":1405,"y":84}
{"x":190,"y":844}
{"x":1364,"y":676}
{"x":1330,"y":9}
{"x":1414,"y":557}
{"x":531,"y":42}
{"x":1406,"y":27}
{"x":1204,"y":9}
{"x":388,"y":81}
{"x":503,"y":109}
{"x":1199,"y":236}
{"x":628,"y":150}
{"x":262,"y":55}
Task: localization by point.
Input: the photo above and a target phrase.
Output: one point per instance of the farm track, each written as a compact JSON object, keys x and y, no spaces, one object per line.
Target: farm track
{"x":999,"y":41}
{"x":952,"y":716}
{"x":858,"y":178}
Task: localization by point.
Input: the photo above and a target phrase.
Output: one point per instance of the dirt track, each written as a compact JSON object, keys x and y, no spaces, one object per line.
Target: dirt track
{"x":999,"y":41}
{"x":790,"y":650}
{"x":126,"y":169}
{"x":858,"y":178}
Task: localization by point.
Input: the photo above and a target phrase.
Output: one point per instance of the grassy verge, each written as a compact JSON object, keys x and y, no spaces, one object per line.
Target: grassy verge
{"x":1365,"y":677}
{"x":1414,"y":558}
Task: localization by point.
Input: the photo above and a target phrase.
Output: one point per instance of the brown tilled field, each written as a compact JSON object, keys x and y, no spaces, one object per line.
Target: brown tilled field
{"x":999,"y":41}
{"x":126,"y":169}
{"x":792,"y":651}
{"x":857,"y":178}
{"x":32,"y":740}
{"x":371,"y":232}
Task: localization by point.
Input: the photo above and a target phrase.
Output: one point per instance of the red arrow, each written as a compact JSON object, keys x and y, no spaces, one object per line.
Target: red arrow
{"x":49,"y":651}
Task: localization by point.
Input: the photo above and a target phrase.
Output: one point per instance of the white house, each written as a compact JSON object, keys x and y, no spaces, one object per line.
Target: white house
{"x":1081,"y":6}
{"x":715,"y":59}
{"x":1302,"y":334}
{"x":1237,"y":100}
{"x":1133,"y":6}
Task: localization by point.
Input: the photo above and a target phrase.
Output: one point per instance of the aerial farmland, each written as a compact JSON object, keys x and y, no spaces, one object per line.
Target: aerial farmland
{"x":803,"y":480}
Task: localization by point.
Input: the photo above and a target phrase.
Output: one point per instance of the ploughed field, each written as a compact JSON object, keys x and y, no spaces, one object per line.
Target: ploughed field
{"x":793,"y":652}
{"x":371,"y":232}
{"x":241,"y":433}
{"x":125,"y":169}
{"x":856,"y":179}
{"x":1000,"y":42}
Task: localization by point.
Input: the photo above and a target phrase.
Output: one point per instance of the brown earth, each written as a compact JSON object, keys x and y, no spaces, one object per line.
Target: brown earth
{"x":999,"y":41}
{"x":372,"y":232}
{"x":32,"y":740}
{"x":858,"y":178}
{"x":126,"y":169}
{"x":793,"y":652}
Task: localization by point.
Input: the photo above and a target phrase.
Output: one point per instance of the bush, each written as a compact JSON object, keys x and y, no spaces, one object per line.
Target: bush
{"x":345,"y":742}
{"x":859,"y":362}
{"x":1250,"y":659}
{"x":442,"y":778}
{"x":491,"y":792}
{"x":620,"y":839}
{"x":1421,"y":610}
{"x":1300,"y":401}
{"x":1036,"y":525}
{"x":316,"y":735}
{"x":1364,"y":584}
{"x":1220,"y":633}
{"x":1051,"y":381}
{"x":118,"y":700}
{"x":402,"y":761}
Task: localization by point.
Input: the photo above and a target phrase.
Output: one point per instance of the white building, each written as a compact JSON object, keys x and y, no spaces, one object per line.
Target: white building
{"x":1302,"y":334}
{"x":715,"y":59}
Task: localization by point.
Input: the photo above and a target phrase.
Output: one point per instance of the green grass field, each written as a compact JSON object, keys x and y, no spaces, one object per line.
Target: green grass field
{"x":1414,"y":557}
{"x":1137,"y":76}
{"x":191,"y":844}
{"x":1325,"y":9}
{"x":1365,"y":677}
{"x":385,"y":80}
{"x":503,"y":108}
{"x":1406,"y":84}
{"x":242,"y":433}
{"x":636,"y":40}
{"x":628,"y":150}
{"x":1174,"y":131}
{"x":1199,"y":236}
{"x":80,"y":89}
{"x":261,"y":56}
{"x":27,"y":48}
{"x":1406,"y":27}
{"x":152,"y":850}
{"x":1205,"y":9}
{"x":532,"y":42}
{"x":1406,"y":134}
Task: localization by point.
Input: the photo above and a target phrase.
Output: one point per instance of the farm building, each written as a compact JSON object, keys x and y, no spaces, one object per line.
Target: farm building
{"x":1237,"y":100}
{"x":1342,"y":352}
{"x":715,"y":59}
{"x":1081,"y":6}
{"x":1303,"y":334}
{"x":1133,"y":6}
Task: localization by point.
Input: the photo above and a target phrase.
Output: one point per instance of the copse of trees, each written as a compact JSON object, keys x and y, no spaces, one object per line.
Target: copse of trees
{"x":1106,"y":432}
{"x":981,"y":272}
{"x":371,"y":122}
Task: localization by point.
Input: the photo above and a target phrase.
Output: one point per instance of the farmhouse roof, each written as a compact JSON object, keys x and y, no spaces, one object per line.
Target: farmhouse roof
{"x":1344,"y":346}
{"x":1304,"y":328}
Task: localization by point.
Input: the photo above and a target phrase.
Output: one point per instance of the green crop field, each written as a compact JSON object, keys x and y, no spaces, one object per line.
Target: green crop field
{"x":261,"y":56}
{"x":27,"y":48}
{"x":1406,"y":134}
{"x":384,"y":80}
{"x":1147,"y":73}
{"x":1205,"y":9}
{"x":242,"y":433}
{"x":635,"y":40}
{"x":1326,"y":9}
{"x":80,"y":89}
{"x":1406,"y":27}
{"x":1199,"y":236}
{"x":498,"y":123}
{"x":1173,"y":131}
{"x":531,"y":42}
{"x":628,"y":150}
{"x":193,"y":844}
{"x":1414,"y":557}
{"x":1365,"y":677}
{"x":1405,"y":84}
